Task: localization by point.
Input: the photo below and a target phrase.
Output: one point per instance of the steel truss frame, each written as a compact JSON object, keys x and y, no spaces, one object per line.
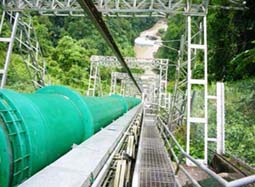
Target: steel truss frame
{"x":160,"y":64}
{"x":179,"y":96}
{"x":10,"y":41}
{"x":197,"y":42}
{"x":194,"y":44}
{"x":141,"y":8}
{"x":23,"y":33}
{"x":219,"y":99}
{"x":151,"y":87}
{"x":126,"y":84}
{"x":120,"y":8}
{"x":100,"y":25}
{"x":111,"y":61}
{"x":94,"y":87}
{"x":163,"y":95}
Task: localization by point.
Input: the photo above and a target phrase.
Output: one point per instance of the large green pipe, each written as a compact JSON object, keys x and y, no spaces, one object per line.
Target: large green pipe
{"x":36,"y":129}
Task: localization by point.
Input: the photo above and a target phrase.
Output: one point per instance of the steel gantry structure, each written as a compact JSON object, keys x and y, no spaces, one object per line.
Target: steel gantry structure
{"x":23,"y":33}
{"x":140,"y":8}
{"x":195,"y":12}
{"x":195,"y":41}
{"x":120,"y":8}
{"x":125,"y":87}
{"x":160,"y":65}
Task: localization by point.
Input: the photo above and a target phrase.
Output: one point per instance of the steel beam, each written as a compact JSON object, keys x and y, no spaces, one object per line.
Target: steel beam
{"x":132,"y":62}
{"x":98,"y":21}
{"x":220,"y":118}
{"x":124,"y":78}
{"x":122,"y":8}
{"x":10,"y":42}
{"x":194,"y":43}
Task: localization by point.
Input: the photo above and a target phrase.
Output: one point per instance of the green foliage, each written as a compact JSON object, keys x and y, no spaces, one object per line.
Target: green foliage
{"x":42,"y":25}
{"x":69,"y":52}
{"x":18,"y":76}
{"x":240,"y":127}
{"x":244,"y":64}
{"x":176,"y":27}
{"x":239,"y":122}
{"x":67,"y":44}
{"x":170,"y":86}
{"x":161,"y":32}
{"x":137,"y":71}
{"x":230,"y":34}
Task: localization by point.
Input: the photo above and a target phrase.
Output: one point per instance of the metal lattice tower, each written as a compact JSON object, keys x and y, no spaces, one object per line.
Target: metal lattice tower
{"x":23,"y":33}
{"x":195,"y":12}
{"x":94,"y":87}
{"x":116,"y":8}
{"x":160,"y":84}
{"x":121,"y":8}
{"x":164,"y":96}
{"x":125,"y":87}
{"x":29,"y":46}
{"x":199,"y":23}
{"x":10,"y":41}
{"x":179,"y":96}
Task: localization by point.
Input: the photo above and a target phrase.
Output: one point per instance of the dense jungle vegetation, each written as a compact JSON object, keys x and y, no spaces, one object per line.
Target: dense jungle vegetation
{"x":68,"y":42}
{"x":231,"y":55}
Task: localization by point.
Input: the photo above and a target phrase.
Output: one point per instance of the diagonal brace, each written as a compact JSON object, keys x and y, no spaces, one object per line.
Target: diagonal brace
{"x":96,"y":17}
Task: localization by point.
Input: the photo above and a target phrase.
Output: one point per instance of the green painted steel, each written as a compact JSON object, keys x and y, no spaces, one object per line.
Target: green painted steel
{"x":5,"y":161}
{"x":36,"y":129}
{"x":104,"y":110}
{"x":131,"y":101}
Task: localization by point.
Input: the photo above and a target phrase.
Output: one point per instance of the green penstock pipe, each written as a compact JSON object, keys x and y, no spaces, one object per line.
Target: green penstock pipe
{"x":38,"y":128}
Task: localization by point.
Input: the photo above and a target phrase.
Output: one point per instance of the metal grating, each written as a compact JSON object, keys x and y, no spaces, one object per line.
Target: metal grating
{"x":154,"y":166}
{"x":156,"y":178}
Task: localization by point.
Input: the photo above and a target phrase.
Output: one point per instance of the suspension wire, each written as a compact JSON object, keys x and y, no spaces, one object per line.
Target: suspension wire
{"x":237,"y":5}
{"x":228,"y":7}
{"x":170,"y":41}
{"x":96,"y":17}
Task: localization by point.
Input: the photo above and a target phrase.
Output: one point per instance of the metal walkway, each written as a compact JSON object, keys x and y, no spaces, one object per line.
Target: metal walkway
{"x":153,"y":166}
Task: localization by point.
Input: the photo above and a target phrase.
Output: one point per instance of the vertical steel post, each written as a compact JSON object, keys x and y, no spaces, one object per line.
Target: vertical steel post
{"x":192,"y":49}
{"x":9,"y":50}
{"x":160,"y":86}
{"x":122,"y":87}
{"x":162,"y":91}
{"x":205,"y":91}
{"x":189,"y":88}
{"x":220,"y":119}
{"x":2,"y":22}
{"x":113,"y":83}
{"x":219,"y":140}
{"x":93,"y":78}
{"x":178,"y":98}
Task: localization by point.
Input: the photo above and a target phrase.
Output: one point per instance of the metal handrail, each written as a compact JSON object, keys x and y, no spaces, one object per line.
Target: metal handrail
{"x":220,"y":180}
{"x":180,"y":167}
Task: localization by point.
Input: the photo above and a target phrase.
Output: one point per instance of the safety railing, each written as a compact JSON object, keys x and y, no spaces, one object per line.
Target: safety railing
{"x":168,"y":135}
